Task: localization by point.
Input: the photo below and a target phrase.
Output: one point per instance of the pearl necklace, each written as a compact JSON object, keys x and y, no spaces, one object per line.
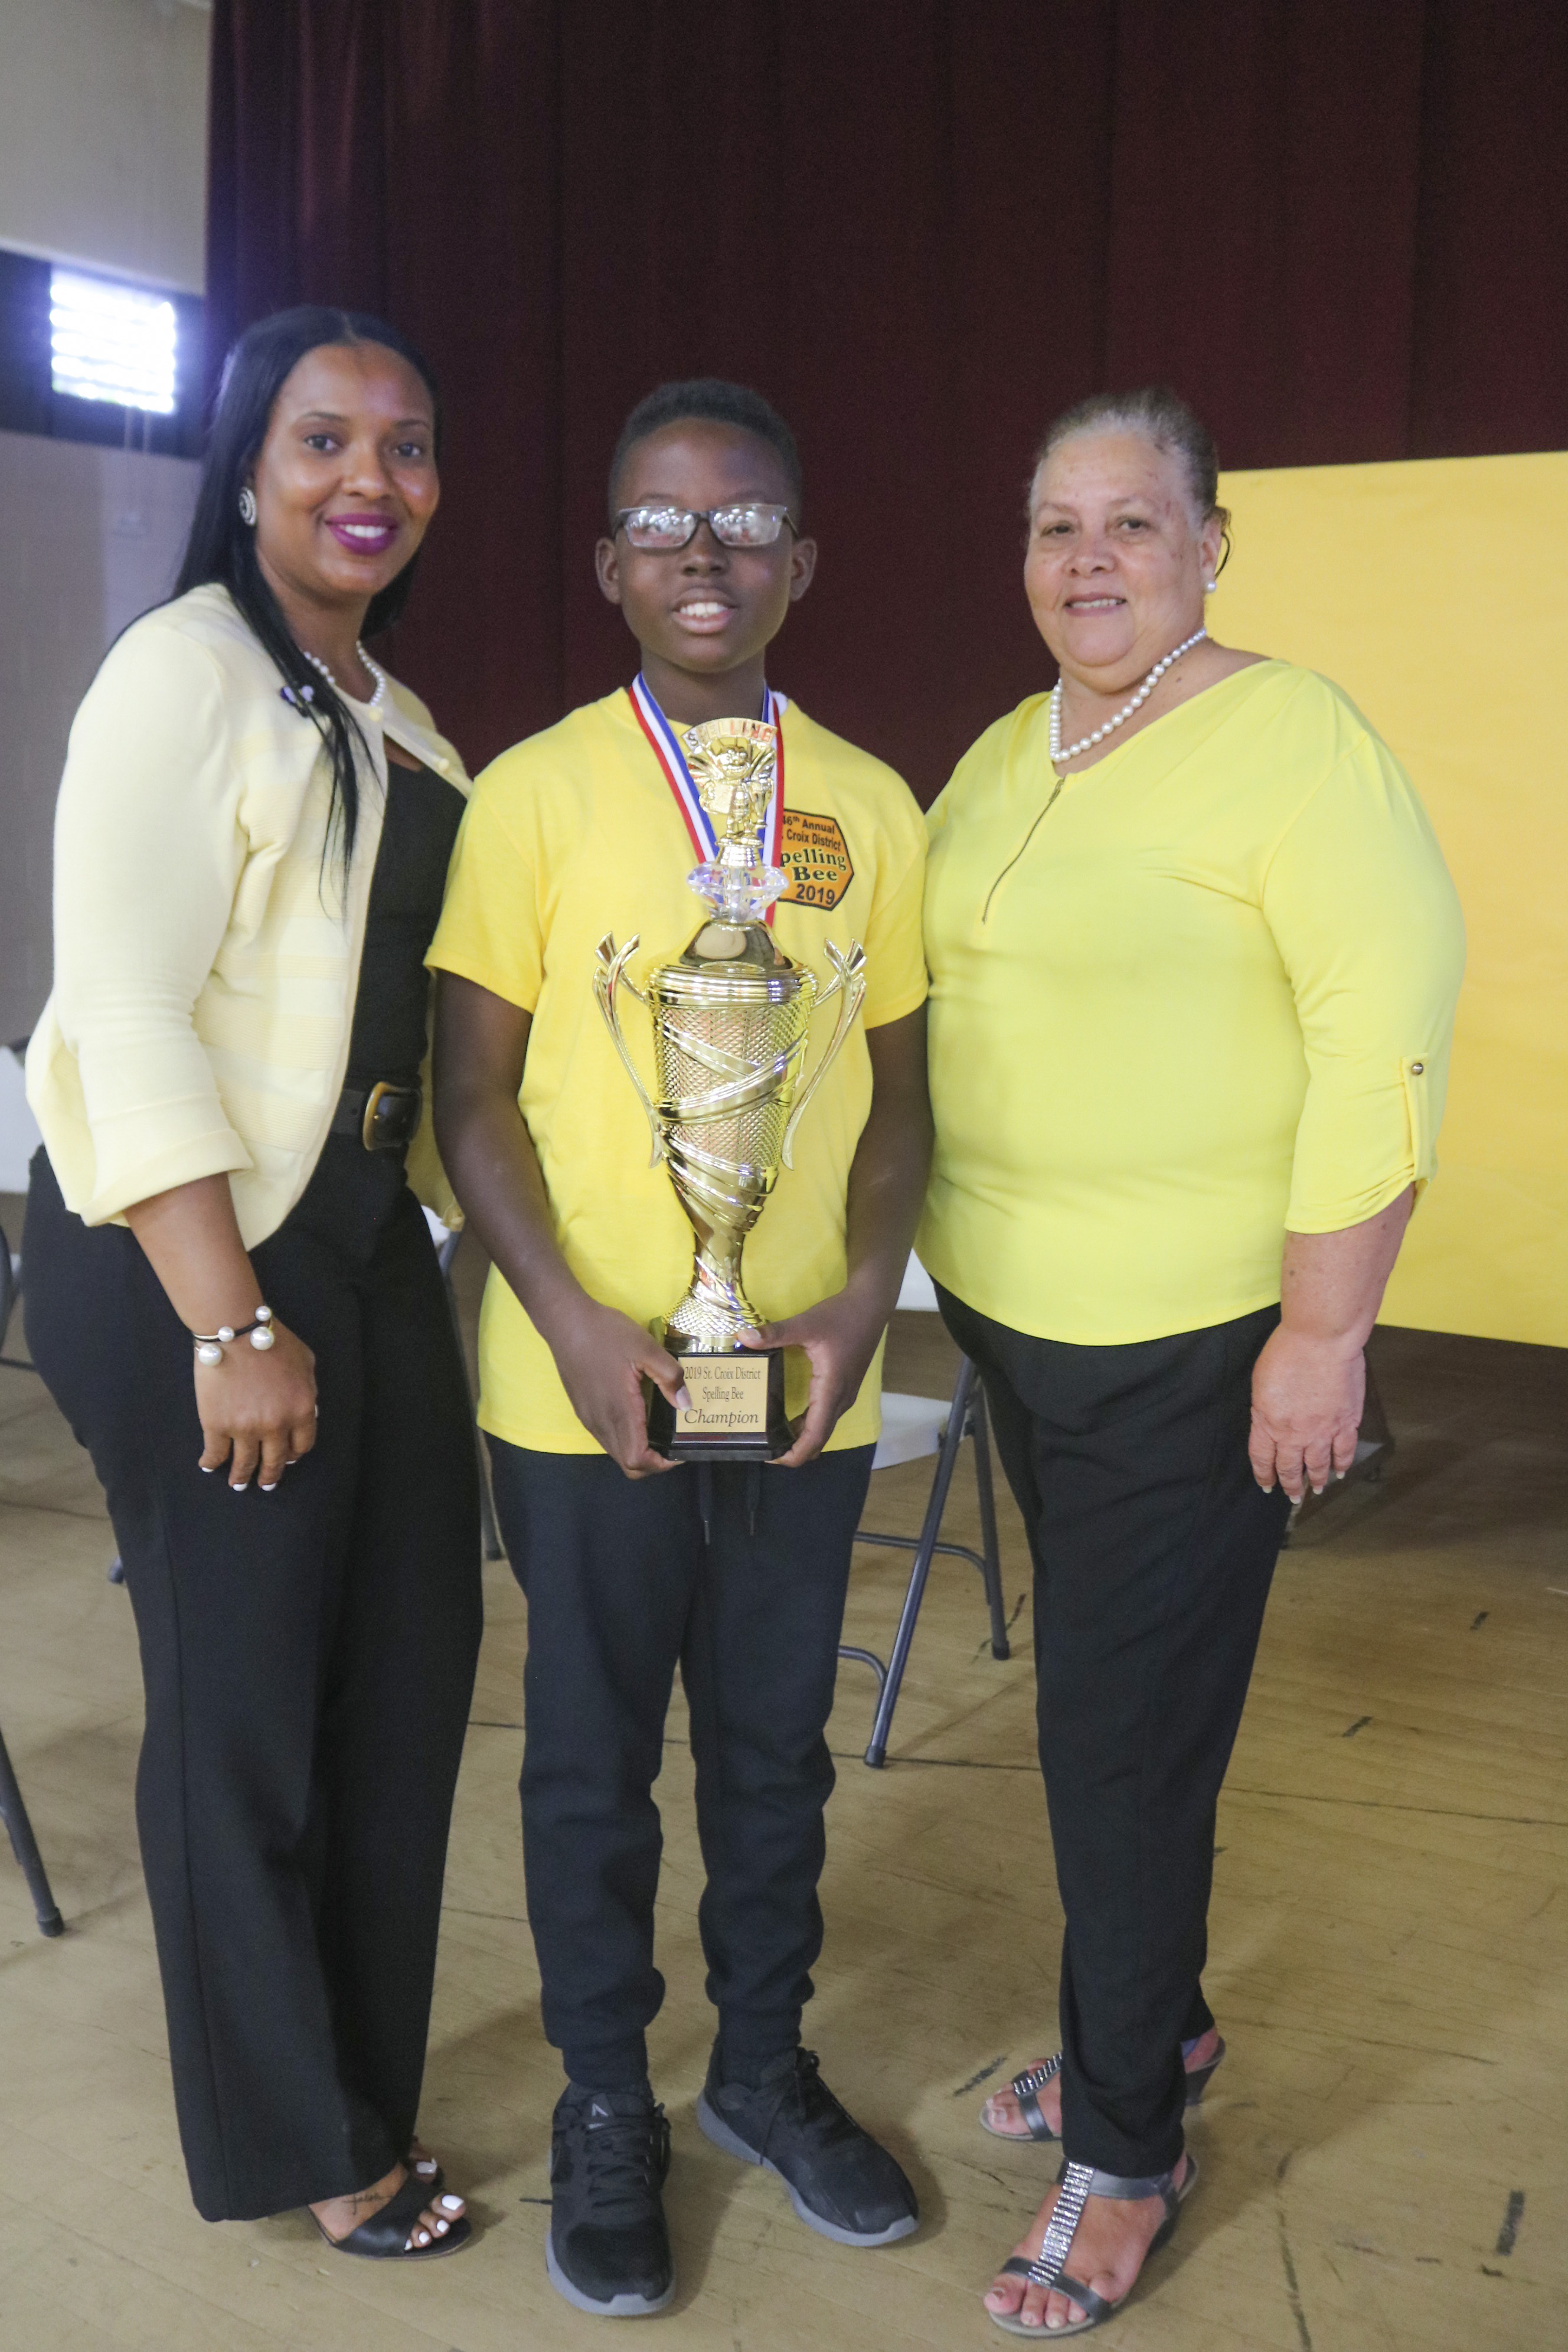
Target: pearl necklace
{"x":1059,"y":757}
{"x":377,"y":698}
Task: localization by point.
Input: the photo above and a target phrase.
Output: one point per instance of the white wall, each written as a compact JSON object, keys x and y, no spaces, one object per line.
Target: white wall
{"x":103,"y":134}
{"x":102,"y":161}
{"x":89,"y":538}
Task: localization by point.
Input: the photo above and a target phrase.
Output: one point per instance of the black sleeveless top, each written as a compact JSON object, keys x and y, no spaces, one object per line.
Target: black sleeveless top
{"x":418,"y":830}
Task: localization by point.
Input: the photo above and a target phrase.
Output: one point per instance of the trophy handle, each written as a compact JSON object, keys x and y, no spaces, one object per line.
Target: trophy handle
{"x":849,"y":987}
{"x":610,"y":976}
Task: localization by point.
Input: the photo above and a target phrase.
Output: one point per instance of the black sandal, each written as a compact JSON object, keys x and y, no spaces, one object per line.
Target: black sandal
{"x":1079,"y":2183}
{"x":385,"y":2236}
{"x":1027,"y":2088}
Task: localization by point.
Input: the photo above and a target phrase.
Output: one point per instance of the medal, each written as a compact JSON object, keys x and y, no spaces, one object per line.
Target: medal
{"x":664,"y":742}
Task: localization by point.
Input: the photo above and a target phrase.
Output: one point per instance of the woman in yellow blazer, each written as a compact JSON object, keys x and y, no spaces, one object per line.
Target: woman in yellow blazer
{"x":1194,"y":956}
{"x":251,"y":846}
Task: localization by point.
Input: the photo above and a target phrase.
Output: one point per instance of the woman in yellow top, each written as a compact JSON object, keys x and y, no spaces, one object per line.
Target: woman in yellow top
{"x":252,"y":840}
{"x":1194,"y":956}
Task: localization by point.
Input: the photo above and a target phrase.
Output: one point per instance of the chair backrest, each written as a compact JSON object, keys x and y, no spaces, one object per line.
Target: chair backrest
{"x":10,"y":1271}
{"x":917,"y":1290}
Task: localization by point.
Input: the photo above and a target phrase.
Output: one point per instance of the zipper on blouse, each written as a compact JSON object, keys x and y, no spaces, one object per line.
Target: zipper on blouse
{"x":989,"y":895}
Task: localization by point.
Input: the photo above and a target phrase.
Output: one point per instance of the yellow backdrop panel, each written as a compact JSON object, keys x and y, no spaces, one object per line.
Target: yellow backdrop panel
{"x":1436,"y":594}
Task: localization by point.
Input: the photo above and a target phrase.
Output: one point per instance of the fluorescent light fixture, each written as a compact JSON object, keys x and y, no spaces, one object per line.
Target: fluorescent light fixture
{"x":112,"y":342}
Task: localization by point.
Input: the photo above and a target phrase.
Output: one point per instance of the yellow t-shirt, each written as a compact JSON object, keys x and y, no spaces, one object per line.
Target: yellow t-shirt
{"x":573,"y":834}
{"x":1205,"y":997}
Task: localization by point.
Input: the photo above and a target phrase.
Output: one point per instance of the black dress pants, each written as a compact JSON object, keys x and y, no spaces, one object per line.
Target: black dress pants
{"x":308,"y":1655}
{"x":622,"y":1586}
{"x":1154,"y":1550}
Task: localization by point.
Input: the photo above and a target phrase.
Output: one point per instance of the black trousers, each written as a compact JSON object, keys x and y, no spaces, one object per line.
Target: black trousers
{"x":308,"y":1655}
{"x":622,"y":1587}
{"x":1154,"y":1550}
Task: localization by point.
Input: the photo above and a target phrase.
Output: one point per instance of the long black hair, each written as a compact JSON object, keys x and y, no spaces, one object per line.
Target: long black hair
{"x":221,"y":547}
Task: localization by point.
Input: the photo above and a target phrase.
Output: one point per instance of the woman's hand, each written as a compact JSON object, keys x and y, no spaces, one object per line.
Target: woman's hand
{"x":603,"y":1358}
{"x":258,"y":1409}
{"x":1307,"y":1399}
{"x":839,"y":1336}
{"x":1309,"y":1385}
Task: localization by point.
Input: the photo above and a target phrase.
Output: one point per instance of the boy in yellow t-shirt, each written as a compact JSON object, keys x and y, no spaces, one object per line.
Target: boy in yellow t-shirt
{"x":578,"y":832}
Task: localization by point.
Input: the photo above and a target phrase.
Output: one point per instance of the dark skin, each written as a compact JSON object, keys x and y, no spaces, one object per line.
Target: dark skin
{"x":703,"y":617}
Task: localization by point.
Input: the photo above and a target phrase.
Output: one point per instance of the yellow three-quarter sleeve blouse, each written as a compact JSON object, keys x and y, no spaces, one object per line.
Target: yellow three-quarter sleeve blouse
{"x":1204,"y":998}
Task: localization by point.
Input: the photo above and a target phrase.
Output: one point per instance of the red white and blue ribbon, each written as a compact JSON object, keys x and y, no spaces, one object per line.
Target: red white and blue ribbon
{"x":664,"y":740}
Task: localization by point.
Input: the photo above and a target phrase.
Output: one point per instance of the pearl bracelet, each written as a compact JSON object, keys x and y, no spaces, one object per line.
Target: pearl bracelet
{"x":210,"y":1345}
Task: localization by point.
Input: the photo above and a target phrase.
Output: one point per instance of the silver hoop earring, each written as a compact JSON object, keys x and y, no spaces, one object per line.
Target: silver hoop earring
{"x":247,"y":507}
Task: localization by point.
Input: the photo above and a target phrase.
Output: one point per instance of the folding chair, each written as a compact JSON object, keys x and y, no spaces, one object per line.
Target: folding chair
{"x":446,"y":1251}
{"x":1373,"y":1450}
{"x":12,"y":1811}
{"x":913,"y":1427}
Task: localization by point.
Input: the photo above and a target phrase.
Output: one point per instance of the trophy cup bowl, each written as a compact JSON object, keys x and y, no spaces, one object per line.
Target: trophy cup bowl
{"x":730,"y":1016}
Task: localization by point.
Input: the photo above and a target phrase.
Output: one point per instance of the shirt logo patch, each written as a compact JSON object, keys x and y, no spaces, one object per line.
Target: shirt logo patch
{"x":816,"y":856}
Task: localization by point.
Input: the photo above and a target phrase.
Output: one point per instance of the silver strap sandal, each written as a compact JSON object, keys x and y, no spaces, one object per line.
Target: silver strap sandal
{"x":1027,"y":2088}
{"x":1079,"y":2182}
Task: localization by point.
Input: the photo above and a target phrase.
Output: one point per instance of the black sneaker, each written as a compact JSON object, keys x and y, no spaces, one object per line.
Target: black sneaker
{"x":609,"y":2251}
{"x":841,"y":2182}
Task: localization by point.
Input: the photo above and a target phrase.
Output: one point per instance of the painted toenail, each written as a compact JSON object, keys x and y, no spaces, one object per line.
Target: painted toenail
{"x":442,"y":2227}
{"x":453,"y":2204}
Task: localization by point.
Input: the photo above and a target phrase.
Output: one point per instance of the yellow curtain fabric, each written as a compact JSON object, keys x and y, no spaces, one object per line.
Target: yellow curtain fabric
{"x":1434,"y":592}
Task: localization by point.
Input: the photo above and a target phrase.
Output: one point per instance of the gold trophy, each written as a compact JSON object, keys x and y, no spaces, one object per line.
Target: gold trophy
{"x":730,"y":1022}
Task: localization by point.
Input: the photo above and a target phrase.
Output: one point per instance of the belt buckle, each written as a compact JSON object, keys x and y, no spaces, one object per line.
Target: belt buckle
{"x":380,"y":1093}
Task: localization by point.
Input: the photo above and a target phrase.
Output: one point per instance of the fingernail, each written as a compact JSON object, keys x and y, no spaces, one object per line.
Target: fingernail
{"x":269,"y":1490}
{"x":453,"y":2204}
{"x":682,"y":1400}
{"x":206,"y":1468}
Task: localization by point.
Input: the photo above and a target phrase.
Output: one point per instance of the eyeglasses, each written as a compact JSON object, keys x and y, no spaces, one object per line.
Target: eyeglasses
{"x":666,"y":530}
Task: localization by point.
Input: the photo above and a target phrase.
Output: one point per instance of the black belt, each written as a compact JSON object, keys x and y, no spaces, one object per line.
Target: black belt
{"x":383,"y":1117}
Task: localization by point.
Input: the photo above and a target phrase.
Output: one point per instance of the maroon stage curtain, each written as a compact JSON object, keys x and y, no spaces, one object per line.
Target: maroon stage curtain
{"x":920,"y":227}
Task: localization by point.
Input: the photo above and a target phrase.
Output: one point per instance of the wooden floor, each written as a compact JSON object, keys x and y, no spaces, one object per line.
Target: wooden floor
{"x":1386,"y":2162}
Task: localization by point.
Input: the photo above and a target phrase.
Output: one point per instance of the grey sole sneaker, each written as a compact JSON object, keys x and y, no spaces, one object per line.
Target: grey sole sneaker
{"x":620,"y":2306}
{"x":713,"y":2127}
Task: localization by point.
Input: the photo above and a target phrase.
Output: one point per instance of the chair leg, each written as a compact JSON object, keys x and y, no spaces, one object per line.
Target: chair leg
{"x":952,"y":1439}
{"x":990,"y":1547}
{"x":24,"y":1846}
{"x":490,"y":1535}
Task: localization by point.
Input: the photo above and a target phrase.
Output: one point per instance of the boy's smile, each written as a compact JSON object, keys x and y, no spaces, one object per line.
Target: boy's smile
{"x":704,"y":613}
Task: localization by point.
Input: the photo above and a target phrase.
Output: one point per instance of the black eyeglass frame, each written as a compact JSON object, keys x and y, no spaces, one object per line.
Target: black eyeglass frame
{"x":698,"y":516}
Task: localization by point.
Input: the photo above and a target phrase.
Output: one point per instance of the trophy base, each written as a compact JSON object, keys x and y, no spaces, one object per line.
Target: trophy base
{"x":737,"y":1408}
